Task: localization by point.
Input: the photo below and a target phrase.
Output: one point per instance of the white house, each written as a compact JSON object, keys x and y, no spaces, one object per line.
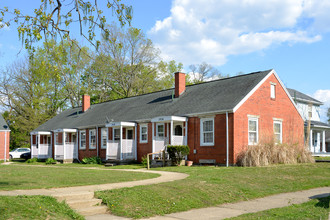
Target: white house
{"x":309,"y":108}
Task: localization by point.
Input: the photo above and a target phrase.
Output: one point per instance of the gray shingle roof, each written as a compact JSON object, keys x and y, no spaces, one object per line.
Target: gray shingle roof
{"x":318,"y":124}
{"x":3,"y":124}
{"x":302,"y":97}
{"x":218,"y":95}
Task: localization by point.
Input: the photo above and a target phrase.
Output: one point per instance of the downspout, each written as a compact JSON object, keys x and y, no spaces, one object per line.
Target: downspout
{"x":5,"y":146}
{"x":227,"y":141}
{"x":97,"y":141}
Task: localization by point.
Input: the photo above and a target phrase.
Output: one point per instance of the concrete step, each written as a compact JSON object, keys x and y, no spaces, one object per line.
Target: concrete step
{"x":76,"y":204}
{"x":93,"y":210}
{"x":75,"y":196}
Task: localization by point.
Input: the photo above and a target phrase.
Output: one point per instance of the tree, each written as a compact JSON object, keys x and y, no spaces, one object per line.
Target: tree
{"x":126,"y":66}
{"x":166,"y":73}
{"x":202,"y":72}
{"x":53,"y":19}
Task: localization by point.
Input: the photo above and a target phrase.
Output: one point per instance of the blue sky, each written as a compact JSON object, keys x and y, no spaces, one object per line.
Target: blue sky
{"x":292,"y":37}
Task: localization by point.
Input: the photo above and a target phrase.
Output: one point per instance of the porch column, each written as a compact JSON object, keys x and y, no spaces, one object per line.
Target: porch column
{"x":77,"y":144}
{"x":55,"y":142}
{"x":171,"y":132}
{"x":311,"y":141}
{"x":38,"y":144}
{"x":186,"y":132}
{"x":153,"y":137}
{"x":31,"y":145}
{"x":120,"y":143}
{"x":318,"y":141}
{"x":135,"y":141}
{"x":323,"y":142}
{"x":51,"y":145}
{"x":63,"y":141}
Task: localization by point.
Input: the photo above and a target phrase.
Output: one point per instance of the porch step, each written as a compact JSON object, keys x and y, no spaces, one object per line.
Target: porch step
{"x":93,"y":210}
{"x":76,"y":204}
{"x":110,"y":164}
{"x":75,"y":196}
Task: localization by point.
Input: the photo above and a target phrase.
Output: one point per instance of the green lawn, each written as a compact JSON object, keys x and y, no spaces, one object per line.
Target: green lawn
{"x":317,"y":209}
{"x":32,"y":177}
{"x":322,"y":158}
{"x":35,"y":207}
{"x":210,"y":186}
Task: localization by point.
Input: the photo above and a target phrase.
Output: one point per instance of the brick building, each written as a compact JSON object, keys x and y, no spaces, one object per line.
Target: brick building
{"x":4,"y":139}
{"x":216,"y":119}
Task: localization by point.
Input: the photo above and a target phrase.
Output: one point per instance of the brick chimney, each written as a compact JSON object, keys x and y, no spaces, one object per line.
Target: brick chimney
{"x":85,"y":102}
{"x":180,"y":83}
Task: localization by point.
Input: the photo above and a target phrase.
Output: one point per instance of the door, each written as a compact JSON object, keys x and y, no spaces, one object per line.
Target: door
{"x":160,"y":140}
{"x":113,"y":147}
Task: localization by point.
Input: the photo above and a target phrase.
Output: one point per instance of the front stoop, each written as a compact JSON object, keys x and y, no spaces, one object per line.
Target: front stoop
{"x":84,"y":203}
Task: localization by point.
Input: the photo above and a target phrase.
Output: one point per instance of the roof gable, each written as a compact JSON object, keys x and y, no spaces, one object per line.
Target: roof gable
{"x":299,"y":96}
{"x":3,"y":124}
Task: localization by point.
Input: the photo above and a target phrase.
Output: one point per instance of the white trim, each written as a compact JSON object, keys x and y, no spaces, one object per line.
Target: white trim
{"x":40,"y":132}
{"x":143,"y":125}
{"x":122,"y":123}
{"x":202,"y":143}
{"x":277,"y":119}
{"x":135,"y":141}
{"x":272,"y":90}
{"x":121,"y":142}
{"x":63,"y":140}
{"x":106,"y":141}
{"x":281,"y":131}
{"x":256,"y":119}
{"x":90,"y":139}
{"x":171,"y":132}
{"x":80,"y":147}
{"x":168,"y":119}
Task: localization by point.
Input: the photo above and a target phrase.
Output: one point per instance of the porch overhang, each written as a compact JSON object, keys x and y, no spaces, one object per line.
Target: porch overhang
{"x":65,"y":130}
{"x":121,"y":123}
{"x":168,"y":119}
{"x":40,"y":132}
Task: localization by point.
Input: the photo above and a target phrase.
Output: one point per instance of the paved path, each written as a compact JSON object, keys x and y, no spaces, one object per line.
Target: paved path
{"x":218,"y":212}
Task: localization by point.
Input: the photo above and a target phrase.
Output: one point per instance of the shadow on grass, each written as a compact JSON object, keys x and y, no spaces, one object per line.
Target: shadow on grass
{"x":323,"y":202}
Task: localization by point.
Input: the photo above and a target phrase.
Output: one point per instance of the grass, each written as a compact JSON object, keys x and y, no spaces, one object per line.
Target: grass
{"x":32,"y":177}
{"x":35,"y":207}
{"x":322,"y":158}
{"x":314,"y":209}
{"x":210,"y":186}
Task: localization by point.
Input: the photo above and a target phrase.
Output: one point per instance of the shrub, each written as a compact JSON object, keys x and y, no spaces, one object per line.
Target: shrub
{"x":271,"y":153}
{"x":177,"y":153}
{"x":50,"y":161}
{"x":91,"y":160}
{"x":33,"y":160}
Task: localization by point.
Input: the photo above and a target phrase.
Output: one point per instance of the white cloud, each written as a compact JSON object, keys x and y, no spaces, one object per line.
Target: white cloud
{"x":210,"y":31}
{"x":323,"y":96}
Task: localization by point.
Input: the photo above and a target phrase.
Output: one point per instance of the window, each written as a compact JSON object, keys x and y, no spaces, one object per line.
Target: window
{"x":207,"y":131}
{"x":178,"y":130}
{"x":129,"y":134}
{"x":104,"y":138}
{"x":67,"y":138}
{"x":160,"y":130}
{"x":92,"y":139}
{"x":59,"y":138}
{"x":272,"y":91}
{"x":310,"y":111}
{"x":253,"y":131}
{"x":82,"y":140}
{"x":116,"y":134}
{"x":143,"y":133}
{"x":278,"y":131}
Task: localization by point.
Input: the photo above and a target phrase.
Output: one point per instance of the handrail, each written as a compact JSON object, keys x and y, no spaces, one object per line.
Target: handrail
{"x":148,"y":160}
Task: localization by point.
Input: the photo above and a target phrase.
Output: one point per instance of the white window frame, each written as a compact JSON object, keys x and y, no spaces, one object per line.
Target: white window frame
{"x":272,"y":90}
{"x":102,"y":140}
{"x":202,"y":142}
{"x":281,"y":131}
{"x":129,"y":129}
{"x":90,"y":139}
{"x":80,"y":146}
{"x":146,"y":133}
{"x":256,"y":119}
{"x":157,"y":132}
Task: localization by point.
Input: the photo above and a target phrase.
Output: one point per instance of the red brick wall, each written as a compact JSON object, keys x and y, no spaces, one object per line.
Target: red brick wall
{"x":218,"y":150}
{"x":144,"y":148}
{"x":260,"y":104}
{"x":180,"y":83}
{"x":82,"y":153}
{"x":2,"y":145}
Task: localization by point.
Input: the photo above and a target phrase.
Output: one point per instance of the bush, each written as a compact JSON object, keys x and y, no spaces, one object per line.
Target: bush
{"x":50,"y":161}
{"x":177,"y":153}
{"x":91,"y":160}
{"x":271,"y":153}
{"x":33,"y":160}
